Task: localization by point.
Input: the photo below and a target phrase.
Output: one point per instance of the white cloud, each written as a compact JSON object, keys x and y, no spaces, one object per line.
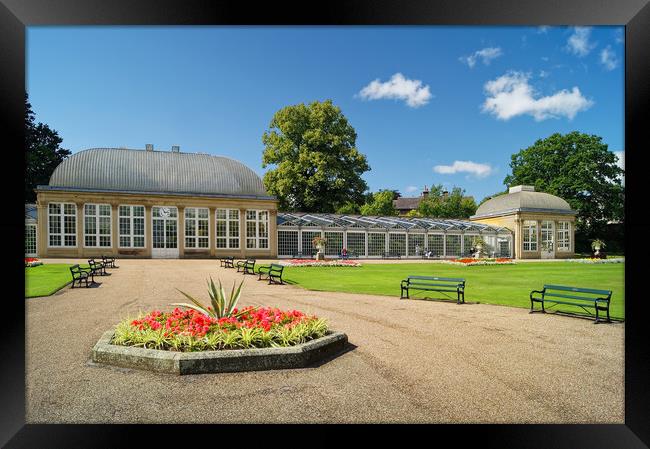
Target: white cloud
{"x":543,"y":74}
{"x":511,"y":95}
{"x":411,"y":189}
{"x":608,"y":58}
{"x":543,"y":29}
{"x":398,"y":88}
{"x":473,"y":168}
{"x":579,"y":43}
{"x":486,"y":55}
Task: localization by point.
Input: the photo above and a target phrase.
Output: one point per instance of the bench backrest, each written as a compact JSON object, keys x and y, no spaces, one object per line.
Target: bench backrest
{"x":92,"y":262}
{"x":76,"y":270}
{"x":276,"y":267}
{"x":249,"y":262}
{"x":564,"y":291}
{"x":435,"y":278}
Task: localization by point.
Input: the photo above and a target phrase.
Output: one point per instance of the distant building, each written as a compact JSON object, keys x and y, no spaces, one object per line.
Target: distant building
{"x":404,"y":205}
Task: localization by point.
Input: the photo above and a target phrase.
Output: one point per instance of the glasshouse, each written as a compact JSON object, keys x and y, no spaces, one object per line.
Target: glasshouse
{"x":372,"y":236}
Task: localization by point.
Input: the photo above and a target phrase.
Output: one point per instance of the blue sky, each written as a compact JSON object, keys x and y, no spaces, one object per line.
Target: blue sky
{"x":431,"y":105}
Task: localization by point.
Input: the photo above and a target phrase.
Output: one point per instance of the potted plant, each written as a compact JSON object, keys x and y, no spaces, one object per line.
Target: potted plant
{"x":319,"y":243}
{"x":596,"y":246}
{"x":478,"y":243}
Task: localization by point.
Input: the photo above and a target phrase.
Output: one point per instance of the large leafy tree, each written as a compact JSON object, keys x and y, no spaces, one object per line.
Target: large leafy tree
{"x":43,"y":152}
{"x":317,"y":166}
{"x":452,"y":205}
{"x":579,"y":168}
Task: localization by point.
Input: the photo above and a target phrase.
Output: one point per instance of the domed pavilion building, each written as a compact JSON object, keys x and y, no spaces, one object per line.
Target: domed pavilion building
{"x":543,"y":224}
{"x":146,"y":203}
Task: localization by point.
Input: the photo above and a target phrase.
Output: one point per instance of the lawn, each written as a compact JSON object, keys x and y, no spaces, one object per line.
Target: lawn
{"x":508,"y":285}
{"x":46,"y":279}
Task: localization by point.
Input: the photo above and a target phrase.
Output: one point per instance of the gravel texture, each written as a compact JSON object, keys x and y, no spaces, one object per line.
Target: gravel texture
{"x":408,"y":361}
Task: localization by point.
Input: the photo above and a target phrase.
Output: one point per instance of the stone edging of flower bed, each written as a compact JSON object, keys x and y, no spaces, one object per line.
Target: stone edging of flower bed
{"x":225,"y":361}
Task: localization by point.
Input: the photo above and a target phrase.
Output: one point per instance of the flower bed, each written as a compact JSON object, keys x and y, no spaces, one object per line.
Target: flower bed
{"x":321,"y":263}
{"x":597,"y":260}
{"x":32,"y":262}
{"x":485,"y":261}
{"x":190,"y":330}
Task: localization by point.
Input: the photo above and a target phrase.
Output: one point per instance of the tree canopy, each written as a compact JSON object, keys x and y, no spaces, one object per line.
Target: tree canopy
{"x":381,"y":204}
{"x":578,"y":168}
{"x":317,"y":166}
{"x":43,"y":152}
{"x":453,"y":205}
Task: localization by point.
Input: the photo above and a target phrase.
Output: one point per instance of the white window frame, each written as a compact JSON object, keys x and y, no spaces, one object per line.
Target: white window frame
{"x":257,"y":237}
{"x":97,"y":235}
{"x":62,"y":232}
{"x":558,"y":244}
{"x":227,"y":220}
{"x":132,"y":218}
{"x":195,"y":220}
{"x":532,"y":231}
{"x":35,"y":253}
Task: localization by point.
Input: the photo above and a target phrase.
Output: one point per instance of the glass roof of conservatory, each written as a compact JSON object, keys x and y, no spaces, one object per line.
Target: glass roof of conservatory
{"x":286,"y":219}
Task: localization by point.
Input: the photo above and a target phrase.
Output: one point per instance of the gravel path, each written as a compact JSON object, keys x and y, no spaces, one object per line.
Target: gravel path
{"x":409,"y":361}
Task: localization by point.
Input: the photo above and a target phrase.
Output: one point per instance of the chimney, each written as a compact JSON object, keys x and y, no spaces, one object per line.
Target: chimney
{"x":149,"y":147}
{"x":445,"y":195}
{"x":521,"y":188}
{"x":425,"y":192}
{"x":176,"y":149}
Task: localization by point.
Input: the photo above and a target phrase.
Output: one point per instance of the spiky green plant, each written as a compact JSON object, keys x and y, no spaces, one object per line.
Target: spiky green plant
{"x":222,"y":306}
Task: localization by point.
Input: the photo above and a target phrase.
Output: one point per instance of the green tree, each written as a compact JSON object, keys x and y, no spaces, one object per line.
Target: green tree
{"x":579,"y":168}
{"x":317,"y":166}
{"x":43,"y":153}
{"x":349,"y":209}
{"x":381,"y":204}
{"x":453,"y":205}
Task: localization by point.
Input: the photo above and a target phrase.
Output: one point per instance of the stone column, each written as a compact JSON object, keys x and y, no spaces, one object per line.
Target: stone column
{"x":79,"y":222}
{"x":212,"y":231}
{"x":115,"y":230}
{"x":242,"y":233}
{"x":273,"y":233}
{"x":148,"y":231}
{"x":180,"y":232}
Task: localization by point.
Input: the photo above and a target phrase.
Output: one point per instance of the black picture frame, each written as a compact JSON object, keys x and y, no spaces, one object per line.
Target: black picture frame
{"x":15,"y":15}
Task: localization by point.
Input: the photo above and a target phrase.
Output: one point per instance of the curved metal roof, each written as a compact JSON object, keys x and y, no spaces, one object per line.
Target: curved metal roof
{"x":415,"y":224}
{"x":118,"y":169}
{"x":527,"y":201}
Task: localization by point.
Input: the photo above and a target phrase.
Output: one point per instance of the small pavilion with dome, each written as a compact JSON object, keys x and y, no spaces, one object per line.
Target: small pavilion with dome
{"x":543,"y":224}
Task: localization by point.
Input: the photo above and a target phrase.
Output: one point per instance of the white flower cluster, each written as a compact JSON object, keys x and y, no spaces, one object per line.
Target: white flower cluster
{"x":612,"y":260}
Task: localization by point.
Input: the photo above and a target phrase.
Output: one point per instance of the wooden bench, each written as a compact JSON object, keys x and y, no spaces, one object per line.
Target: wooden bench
{"x":109,"y":262}
{"x":97,"y":268}
{"x":227,"y":262}
{"x":273,"y":273}
{"x":576,"y":296}
{"x":246,"y":266}
{"x":435,"y":284}
{"x":80,"y":275}
{"x":391,"y":255}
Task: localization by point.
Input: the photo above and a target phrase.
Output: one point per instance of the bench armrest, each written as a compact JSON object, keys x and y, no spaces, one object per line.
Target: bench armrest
{"x":404,"y":283}
{"x":541,"y":292}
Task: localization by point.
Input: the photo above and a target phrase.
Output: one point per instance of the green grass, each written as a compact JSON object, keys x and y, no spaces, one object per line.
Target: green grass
{"x":508,"y":285}
{"x":47,"y":279}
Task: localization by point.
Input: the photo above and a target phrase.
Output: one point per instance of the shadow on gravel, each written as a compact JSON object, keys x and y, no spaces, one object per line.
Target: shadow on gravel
{"x":347,"y":348}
